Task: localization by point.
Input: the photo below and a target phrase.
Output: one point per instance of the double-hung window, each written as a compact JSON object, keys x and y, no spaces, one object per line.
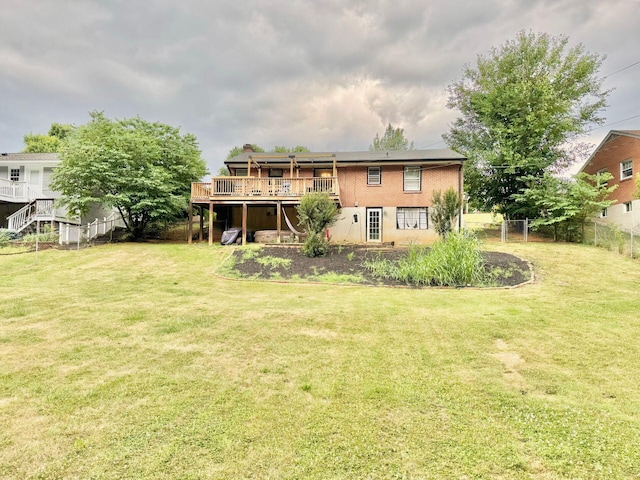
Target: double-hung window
{"x":412,"y":218}
{"x":14,"y":175}
{"x":374,"y":176}
{"x":412,"y":179}
{"x":626,"y":169}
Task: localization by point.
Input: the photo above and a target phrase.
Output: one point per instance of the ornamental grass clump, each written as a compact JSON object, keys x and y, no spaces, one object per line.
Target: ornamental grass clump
{"x":454,"y":261}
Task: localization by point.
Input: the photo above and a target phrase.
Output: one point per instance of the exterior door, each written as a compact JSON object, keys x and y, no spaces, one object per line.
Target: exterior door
{"x":374,"y":224}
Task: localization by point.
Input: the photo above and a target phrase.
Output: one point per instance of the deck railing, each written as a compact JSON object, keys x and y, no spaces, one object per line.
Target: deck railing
{"x":263,"y":187}
{"x":18,"y":191}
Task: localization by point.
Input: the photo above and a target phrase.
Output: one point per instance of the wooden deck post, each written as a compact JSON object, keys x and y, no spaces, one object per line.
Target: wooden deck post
{"x":244,"y":223}
{"x":190,"y":226}
{"x":201,"y":223}
{"x":210,"y":223}
{"x":278,"y":220}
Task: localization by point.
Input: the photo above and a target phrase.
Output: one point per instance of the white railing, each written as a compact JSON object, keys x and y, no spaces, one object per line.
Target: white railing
{"x":85,"y":233}
{"x":31,"y":212}
{"x":18,"y":191}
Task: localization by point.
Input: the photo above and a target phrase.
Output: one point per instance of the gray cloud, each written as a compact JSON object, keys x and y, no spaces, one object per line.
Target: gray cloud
{"x":328,"y":74}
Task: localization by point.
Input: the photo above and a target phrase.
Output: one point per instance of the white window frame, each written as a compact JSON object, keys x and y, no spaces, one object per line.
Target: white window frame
{"x":411,"y":181}
{"x":628,"y":207}
{"x":604,"y":213}
{"x":374,"y":176}
{"x":420,"y":220}
{"x":13,"y":176}
{"x":626,"y":172}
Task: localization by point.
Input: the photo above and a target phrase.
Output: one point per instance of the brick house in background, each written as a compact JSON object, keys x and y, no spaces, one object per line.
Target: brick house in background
{"x":619,"y":154}
{"x":384,"y":196}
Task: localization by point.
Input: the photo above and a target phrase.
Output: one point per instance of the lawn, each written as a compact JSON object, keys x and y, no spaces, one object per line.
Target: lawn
{"x":137,"y":361}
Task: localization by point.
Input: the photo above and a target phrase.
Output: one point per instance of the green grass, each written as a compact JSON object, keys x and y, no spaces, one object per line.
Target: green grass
{"x":135,"y":361}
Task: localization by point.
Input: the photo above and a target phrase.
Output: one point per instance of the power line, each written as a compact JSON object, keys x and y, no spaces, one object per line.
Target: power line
{"x":613,"y":123}
{"x":622,"y":69}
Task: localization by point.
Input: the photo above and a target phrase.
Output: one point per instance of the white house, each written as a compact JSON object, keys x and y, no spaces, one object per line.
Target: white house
{"x":26,"y":197}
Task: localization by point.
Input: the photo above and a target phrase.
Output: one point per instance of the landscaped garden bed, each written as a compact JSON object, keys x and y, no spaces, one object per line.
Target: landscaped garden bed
{"x":346,"y":264}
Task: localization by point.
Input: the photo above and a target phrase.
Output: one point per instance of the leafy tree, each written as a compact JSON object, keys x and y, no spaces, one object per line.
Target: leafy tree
{"x":565,"y":205}
{"x":393,"y":139}
{"x":283,"y":149}
{"x":223,"y":172}
{"x":235,"y":151}
{"x":50,"y":143}
{"x":522,"y":106}
{"x":142,"y":169}
{"x":445,"y":211}
{"x":316,"y":212}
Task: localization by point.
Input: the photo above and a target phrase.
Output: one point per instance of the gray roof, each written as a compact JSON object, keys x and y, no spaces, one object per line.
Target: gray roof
{"x":28,"y":157}
{"x":391,"y":156}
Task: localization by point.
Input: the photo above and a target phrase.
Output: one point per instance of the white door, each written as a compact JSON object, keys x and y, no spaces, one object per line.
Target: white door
{"x":374,"y":224}
{"x":34,"y":179}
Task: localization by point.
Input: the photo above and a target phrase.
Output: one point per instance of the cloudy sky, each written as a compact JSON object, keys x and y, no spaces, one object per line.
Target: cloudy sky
{"x":326,"y":74}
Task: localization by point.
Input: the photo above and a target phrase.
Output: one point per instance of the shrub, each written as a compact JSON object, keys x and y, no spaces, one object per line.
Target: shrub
{"x":445,"y":211}
{"x":315,"y":245}
{"x":453,"y":261}
{"x":316,"y":212}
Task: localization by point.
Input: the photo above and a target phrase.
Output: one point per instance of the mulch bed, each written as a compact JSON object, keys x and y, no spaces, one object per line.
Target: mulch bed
{"x":509,"y":270}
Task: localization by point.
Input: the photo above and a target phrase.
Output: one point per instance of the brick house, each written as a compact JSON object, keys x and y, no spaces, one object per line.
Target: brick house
{"x":384,"y":196}
{"x":619,"y":154}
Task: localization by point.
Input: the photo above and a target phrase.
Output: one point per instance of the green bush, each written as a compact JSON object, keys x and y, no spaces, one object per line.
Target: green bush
{"x":7,"y":236}
{"x":453,"y":261}
{"x":316,"y":212}
{"x":315,"y":245}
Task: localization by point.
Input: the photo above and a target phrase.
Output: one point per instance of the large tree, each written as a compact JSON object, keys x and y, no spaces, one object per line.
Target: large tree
{"x":49,"y":143}
{"x":393,"y":139}
{"x":142,"y":169}
{"x":523,"y":107}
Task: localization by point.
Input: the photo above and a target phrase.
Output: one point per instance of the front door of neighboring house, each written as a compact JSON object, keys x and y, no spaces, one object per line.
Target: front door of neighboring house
{"x":374,"y":224}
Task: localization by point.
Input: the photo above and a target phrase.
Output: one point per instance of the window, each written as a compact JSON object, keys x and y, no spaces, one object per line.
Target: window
{"x":374,"y":176}
{"x":412,"y":218}
{"x":275,"y":172}
{"x":628,"y":207}
{"x":626,"y":169}
{"x":603,"y":213}
{"x":412,"y":179}
{"x":599,"y":173}
{"x":14,"y":175}
{"x":241,"y":172}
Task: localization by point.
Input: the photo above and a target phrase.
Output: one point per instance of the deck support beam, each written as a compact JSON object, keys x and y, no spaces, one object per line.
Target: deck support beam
{"x":200,"y":233}
{"x":190,"y":226}
{"x":211,"y":223}
{"x":278,"y":220}
{"x":244,"y":223}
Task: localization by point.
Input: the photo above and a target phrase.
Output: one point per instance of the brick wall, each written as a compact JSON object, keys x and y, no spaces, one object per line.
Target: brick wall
{"x":354,"y":188}
{"x":609,"y":156}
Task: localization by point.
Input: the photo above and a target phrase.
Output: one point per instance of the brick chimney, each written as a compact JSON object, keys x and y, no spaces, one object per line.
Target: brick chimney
{"x":247,"y":148}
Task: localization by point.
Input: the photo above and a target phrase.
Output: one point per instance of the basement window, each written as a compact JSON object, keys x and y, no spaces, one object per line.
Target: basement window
{"x":628,"y":207}
{"x":412,"y":218}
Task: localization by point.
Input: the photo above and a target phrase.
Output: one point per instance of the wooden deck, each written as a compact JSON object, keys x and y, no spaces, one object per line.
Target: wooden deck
{"x":255,"y":189}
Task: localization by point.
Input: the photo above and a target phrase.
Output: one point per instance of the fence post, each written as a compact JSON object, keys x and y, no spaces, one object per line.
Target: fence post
{"x":632,"y":222}
{"x":526,"y":230}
